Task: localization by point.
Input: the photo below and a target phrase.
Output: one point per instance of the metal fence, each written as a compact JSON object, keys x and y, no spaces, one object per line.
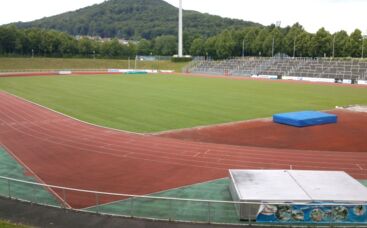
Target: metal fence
{"x":138,"y":206}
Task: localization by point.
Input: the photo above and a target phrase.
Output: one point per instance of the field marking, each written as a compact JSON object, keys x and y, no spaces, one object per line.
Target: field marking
{"x":180,"y":130}
{"x":213,"y":165}
{"x":280,"y":162}
{"x":266,"y":119}
{"x":65,"y":115}
{"x":359,"y":166}
{"x":137,"y":133}
{"x":219,"y":161}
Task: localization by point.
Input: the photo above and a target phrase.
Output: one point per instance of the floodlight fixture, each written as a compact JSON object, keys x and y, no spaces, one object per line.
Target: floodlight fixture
{"x":278,"y":23}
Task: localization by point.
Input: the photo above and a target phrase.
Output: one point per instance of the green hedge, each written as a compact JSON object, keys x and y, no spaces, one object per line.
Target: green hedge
{"x":181,"y":59}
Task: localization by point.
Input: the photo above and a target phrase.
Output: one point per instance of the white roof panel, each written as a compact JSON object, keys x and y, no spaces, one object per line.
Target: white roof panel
{"x":296,"y":185}
{"x":330,"y":186}
{"x":272,"y":185}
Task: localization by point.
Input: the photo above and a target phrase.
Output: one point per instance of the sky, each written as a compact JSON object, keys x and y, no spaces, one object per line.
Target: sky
{"x":334,"y":15}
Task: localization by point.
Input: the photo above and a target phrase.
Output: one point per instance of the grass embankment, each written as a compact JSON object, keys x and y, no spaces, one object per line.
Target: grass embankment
{"x":12,"y":64}
{"x":5,"y":224}
{"x":158,"y":103}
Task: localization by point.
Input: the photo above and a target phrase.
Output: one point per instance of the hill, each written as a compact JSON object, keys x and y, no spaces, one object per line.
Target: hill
{"x":134,"y":19}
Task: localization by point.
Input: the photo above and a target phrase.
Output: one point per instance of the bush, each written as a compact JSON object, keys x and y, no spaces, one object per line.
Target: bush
{"x":181,"y":59}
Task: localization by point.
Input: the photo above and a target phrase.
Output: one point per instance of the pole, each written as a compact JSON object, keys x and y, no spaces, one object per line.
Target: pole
{"x":180,"y":39}
{"x":272,"y":47}
{"x":334,"y":46}
{"x":136,"y":60}
{"x":9,"y":193}
{"x":243,"y":48}
{"x":294,"y":47}
{"x":363,"y":37}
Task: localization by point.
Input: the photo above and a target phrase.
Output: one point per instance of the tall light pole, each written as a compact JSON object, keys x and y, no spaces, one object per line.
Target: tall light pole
{"x":363,"y":38}
{"x":277,"y":25}
{"x":243,"y":48}
{"x":294,"y":47}
{"x":180,"y":38}
{"x":334,"y":46}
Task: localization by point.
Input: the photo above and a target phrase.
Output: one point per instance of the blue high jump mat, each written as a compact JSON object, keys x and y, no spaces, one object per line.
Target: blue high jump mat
{"x":305,"y":118}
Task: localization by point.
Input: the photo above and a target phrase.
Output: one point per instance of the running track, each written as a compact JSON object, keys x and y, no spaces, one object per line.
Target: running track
{"x":59,"y":150}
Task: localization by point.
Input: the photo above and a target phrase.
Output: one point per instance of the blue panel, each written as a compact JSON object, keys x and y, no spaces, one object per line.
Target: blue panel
{"x":316,"y":213}
{"x":305,"y":118}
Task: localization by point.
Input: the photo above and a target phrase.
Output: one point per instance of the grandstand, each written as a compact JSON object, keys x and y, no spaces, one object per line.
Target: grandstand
{"x":338,"y":70}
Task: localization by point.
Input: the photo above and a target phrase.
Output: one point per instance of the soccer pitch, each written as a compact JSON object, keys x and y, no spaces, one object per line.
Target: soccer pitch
{"x":153,"y":103}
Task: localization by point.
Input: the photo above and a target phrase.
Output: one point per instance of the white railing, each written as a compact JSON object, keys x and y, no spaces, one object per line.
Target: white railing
{"x":143,"y":206}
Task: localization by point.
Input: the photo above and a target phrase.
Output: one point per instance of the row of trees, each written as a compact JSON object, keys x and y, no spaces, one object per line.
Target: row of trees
{"x":293,"y":41}
{"x":253,"y":41}
{"x":50,"y":43}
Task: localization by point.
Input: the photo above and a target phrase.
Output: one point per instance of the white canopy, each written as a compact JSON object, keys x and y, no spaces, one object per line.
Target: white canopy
{"x":297,"y":186}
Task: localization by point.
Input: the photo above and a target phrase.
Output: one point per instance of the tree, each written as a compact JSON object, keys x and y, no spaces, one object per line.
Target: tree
{"x":69,"y":45}
{"x":355,"y":43}
{"x":165,"y":45}
{"x":144,"y":47}
{"x":304,"y":44}
{"x":198,"y":47}
{"x":340,"y":45}
{"x":292,"y":40}
{"x":258,"y":45}
{"x":86,"y":47}
{"x":250,"y":37}
{"x":114,"y":49}
{"x":8,"y":39}
{"x":274,"y":37}
{"x":210,"y":50}
{"x":225,"y":45}
{"x":322,"y":43}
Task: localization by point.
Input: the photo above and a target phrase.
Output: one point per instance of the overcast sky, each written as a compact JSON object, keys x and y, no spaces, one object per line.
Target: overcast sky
{"x":334,"y":15}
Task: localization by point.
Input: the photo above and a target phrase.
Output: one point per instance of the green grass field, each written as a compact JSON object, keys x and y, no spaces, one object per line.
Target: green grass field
{"x":5,"y":224}
{"x":156,"y":103}
{"x":59,"y":63}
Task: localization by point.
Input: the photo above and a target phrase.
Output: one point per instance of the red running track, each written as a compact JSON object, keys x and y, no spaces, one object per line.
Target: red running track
{"x":62,"y":151}
{"x":348,"y":135}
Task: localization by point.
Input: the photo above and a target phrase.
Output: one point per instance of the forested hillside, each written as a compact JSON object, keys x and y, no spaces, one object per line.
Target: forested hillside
{"x":134,"y":19}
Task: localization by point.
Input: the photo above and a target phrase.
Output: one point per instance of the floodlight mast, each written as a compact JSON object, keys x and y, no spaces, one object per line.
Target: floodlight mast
{"x":363,"y":38}
{"x":180,"y":38}
{"x":277,"y":25}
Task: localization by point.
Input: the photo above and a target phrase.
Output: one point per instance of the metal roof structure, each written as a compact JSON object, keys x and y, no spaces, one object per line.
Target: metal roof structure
{"x":297,"y":185}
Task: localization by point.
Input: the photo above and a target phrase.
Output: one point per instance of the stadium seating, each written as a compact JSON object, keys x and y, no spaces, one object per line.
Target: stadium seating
{"x":298,"y":67}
